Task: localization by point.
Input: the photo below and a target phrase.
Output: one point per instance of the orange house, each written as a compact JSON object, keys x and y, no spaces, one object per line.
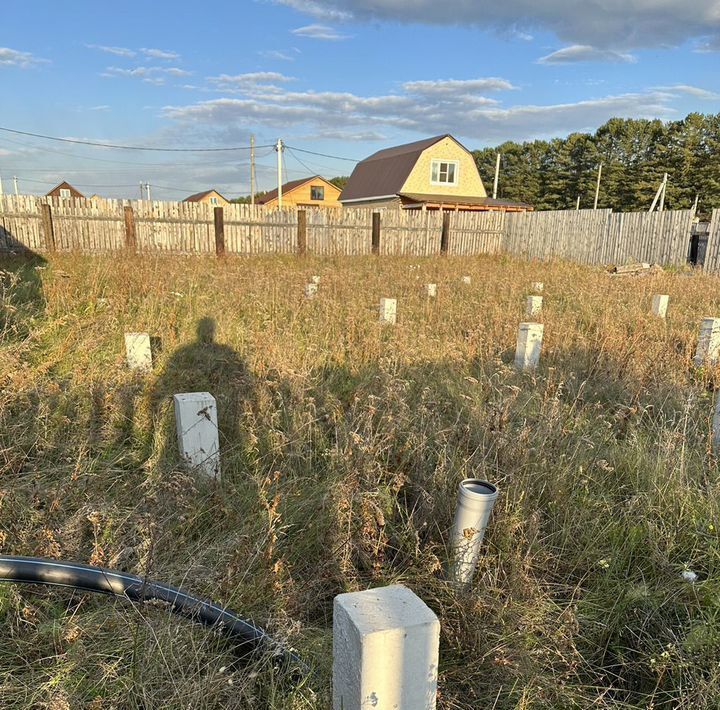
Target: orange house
{"x":314,"y":191}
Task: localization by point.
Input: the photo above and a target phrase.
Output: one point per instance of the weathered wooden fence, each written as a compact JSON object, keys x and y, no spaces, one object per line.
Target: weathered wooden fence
{"x":601,"y":236}
{"x":712,"y":255}
{"x":587,"y":236}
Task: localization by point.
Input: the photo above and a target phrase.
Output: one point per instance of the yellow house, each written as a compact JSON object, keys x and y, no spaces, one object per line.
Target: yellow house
{"x":435,"y":173}
{"x":209,"y":197}
{"x":314,"y":191}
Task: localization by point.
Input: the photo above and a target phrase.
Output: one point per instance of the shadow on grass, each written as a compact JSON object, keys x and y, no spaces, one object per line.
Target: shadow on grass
{"x":21,"y":288}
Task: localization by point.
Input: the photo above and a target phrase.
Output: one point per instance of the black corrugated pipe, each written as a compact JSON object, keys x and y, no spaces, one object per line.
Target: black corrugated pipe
{"x":249,"y":639}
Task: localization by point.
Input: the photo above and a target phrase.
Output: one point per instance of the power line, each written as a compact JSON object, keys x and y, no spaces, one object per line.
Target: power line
{"x":292,"y":152}
{"x":127,"y":147}
{"x":322,"y":155}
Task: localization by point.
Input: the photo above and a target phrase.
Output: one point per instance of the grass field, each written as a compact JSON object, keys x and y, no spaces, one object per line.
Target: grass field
{"x":343,"y":442}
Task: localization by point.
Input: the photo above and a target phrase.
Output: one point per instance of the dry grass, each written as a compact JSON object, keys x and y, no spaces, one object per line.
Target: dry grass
{"x":343,"y":442}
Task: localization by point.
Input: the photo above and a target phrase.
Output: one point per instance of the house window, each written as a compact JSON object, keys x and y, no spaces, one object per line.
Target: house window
{"x":213,"y":200}
{"x":64,"y":192}
{"x":317,"y":192}
{"x":444,"y":172}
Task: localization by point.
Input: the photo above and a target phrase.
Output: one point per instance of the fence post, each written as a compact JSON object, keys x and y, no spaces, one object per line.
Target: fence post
{"x":219,"y":232}
{"x":48,"y":229}
{"x":302,"y":233}
{"x":130,"y":238}
{"x":376,"y":233}
{"x":386,"y":650}
{"x":445,"y":234}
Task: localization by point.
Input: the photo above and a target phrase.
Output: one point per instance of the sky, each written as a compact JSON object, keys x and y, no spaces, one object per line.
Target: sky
{"x":343,"y":78}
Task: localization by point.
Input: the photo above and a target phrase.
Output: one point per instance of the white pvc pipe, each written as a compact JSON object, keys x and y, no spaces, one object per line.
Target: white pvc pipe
{"x":475,"y":502}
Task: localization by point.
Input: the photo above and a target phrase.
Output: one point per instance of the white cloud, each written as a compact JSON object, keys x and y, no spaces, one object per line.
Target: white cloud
{"x":709,"y":44}
{"x":358,"y":136}
{"x":619,"y":24}
{"x":320,"y":32}
{"x":160,"y":54}
{"x":585,"y":53}
{"x":4,"y":153}
{"x":103,"y":107}
{"x":16,"y":58}
{"x":458,"y":109}
{"x":147,"y":74}
{"x":447,"y":87}
{"x":250,"y":78}
{"x":694,"y":91}
{"x":117,"y":51}
{"x":277,"y":54}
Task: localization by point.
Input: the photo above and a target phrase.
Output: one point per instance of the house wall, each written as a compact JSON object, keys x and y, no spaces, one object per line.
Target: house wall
{"x":221,"y":201}
{"x":300,"y":196}
{"x":469,"y":182}
{"x":393,"y":202}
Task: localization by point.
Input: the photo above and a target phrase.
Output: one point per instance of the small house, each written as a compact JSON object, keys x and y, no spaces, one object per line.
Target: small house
{"x":208,"y":197}
{"x":314,"y":191}
{"x":433,"y":174}
{"x":64,"y":189}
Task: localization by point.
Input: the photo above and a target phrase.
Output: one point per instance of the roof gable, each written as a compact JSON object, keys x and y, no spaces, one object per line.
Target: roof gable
{"x":200,"y":195}
{"x":384,"y":173}
{"x":293,"y":185}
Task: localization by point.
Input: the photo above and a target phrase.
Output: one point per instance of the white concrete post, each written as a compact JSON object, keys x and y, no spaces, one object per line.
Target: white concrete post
{"x":537,"y":286}
{"x":708,"y":347}
{"x":466,"y":280}
{"x":534,"y":306}
{"x":475,"y":502}
{"x":311,"y":290}
{"x":138,"y":352}
{"x":197,"y":431}
{"x":529,"y":344}
{"x":431,"y":290}
{"x":385,"y":651}
{"x":660,"y":304}
{"x":388,"y":310}
{"x":315,"y":279}
{"x":716,"y":426}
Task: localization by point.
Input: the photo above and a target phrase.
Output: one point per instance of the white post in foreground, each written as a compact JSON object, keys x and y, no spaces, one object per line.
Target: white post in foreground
{"x":138,"y":352}
{"x":431,"y":290}
{"x":311,"y":290}
{"x":388,"y":310}
{"x":708,"y":346}
{"x":529,"y":344}
{"x":537,"y":286}
{"x":534,"y":306}
{"x":716,"y":427}
{"x":466,"y":280}
{"x":475,"y":502}
{"x":197,"y":431}
{"x":385,"y":651}
{"x":660,"y":304}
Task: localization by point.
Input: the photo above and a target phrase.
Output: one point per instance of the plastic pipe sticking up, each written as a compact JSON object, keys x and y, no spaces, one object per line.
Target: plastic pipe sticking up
{"x":475,"y":502}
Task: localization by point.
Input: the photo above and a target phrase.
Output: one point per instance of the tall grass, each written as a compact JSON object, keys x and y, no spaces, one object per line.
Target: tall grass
{"x":343,"y":442}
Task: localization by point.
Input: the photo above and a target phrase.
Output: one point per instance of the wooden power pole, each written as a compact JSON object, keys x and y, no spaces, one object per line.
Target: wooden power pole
{"x":597,"y":187}
{"x":279,"y":149}
{"x":252,"y":170}
{"x":497,"y":176}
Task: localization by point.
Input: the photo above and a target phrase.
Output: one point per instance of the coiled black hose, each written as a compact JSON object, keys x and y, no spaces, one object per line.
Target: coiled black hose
{"x":250,"y":640}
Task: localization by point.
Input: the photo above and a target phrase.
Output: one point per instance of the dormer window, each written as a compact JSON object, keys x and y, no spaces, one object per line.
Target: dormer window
{"x":64,"y":192}
{"x":444,"y":172}
{"x":317,"y":192}
{"x":213,"y":200}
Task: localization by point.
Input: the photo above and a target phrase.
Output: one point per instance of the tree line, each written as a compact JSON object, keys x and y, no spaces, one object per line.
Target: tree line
{"x":635,"y":153}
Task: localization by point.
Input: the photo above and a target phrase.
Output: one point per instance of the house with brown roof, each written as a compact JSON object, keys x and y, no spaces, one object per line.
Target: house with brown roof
{"x":313,"y":191}
{"x":208,"y":197}
{"x":64,"y":189}
{"x":433,"y":174}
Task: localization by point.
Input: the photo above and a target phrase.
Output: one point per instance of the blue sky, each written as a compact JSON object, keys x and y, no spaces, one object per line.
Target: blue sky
{"x":341,"y":77}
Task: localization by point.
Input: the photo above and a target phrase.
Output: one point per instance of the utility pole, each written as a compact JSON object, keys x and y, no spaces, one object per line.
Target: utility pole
{"x":597,"y":187}
{"x":1,"y":187}
{"x":577,"y":204}
{"x":252,"y":170}
{"x":695,"y":205}
{"x":662,"y":195}
{"x":142,"y":190}
{"x":279,"y":149}
{"x":497,"y":175}
{"x":15,"y":183}
{"x":147,"y":189}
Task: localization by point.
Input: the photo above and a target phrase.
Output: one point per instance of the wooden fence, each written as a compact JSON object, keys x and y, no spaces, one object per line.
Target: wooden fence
{"x":712,"y":254}
{"x":601,"y":236}
{"x":588,"y":236}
